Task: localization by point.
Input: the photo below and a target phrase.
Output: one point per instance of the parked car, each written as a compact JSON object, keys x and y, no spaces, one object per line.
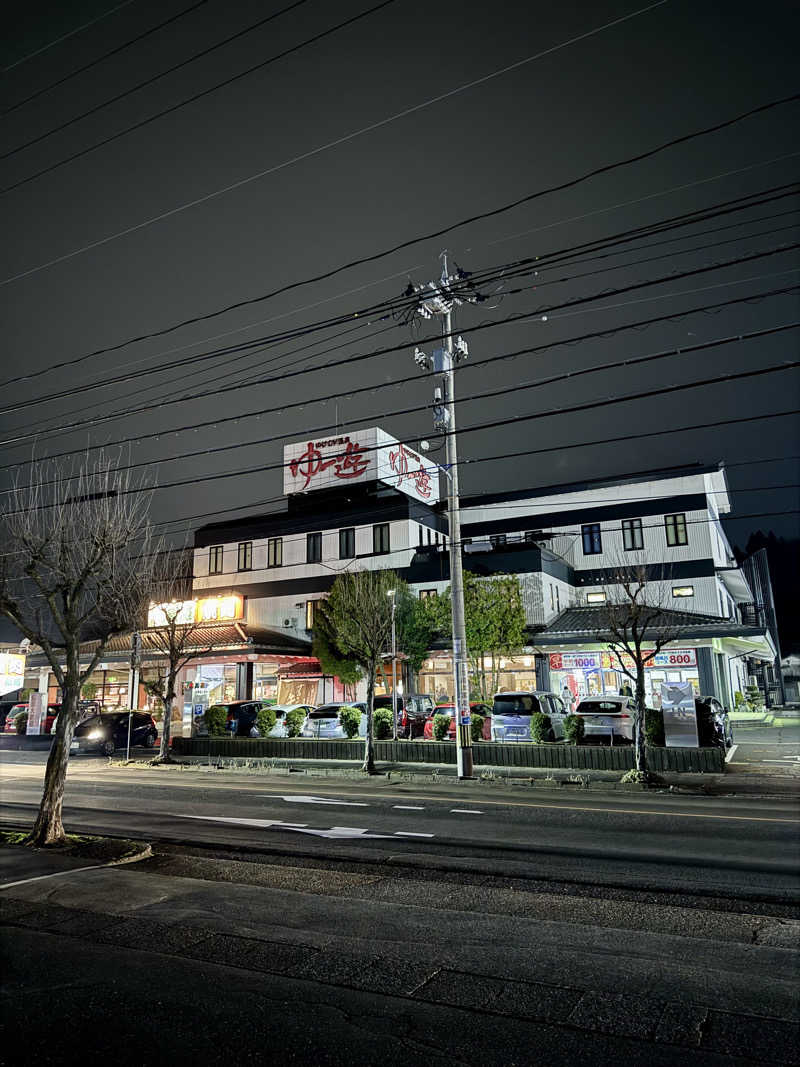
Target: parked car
{"x":475,"y":708}
{"x":608,"y":717}
{"x":242,"y":717}
{"x":511,"y":714}
{"x":413,"y":710}
{"x":713,"y":723}
{"x":86,"y":708}
{"x":324,"y":721}
{"x":281,"y":711}
{"x":5,"y":708}
{"x":10,"y":726}
{"x":109,"y":731}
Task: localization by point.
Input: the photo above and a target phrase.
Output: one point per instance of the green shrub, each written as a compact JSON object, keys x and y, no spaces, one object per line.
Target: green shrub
{"x":266,"y":720}
{"x":441,"y":727}
{"x":738,"y":698}
{"x":382,"y":723}
{"x":294,"y":722}
{"x":216,"y":720}
{"x":476,"y":728}
{"x":574,"y":729}
{"x":541,"y":727}
{"x":654,"y":727}
{"x":21,"y":723}
{"x":350,"y":718}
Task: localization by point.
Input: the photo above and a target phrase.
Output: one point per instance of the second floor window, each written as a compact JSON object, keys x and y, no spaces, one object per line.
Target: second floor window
{"x":592,"y":542}
{"x":675,"y":526}
{"x":632,"y":534}
{"x":215,"y":559}
{"x":380,"y":538}
{"x":495,"y":540}
{"x":275,"y":552}
{"x":245,"y":556}
{"x":347,"y":543}
{"x":314,"y":548}
{"x":425,"y":593}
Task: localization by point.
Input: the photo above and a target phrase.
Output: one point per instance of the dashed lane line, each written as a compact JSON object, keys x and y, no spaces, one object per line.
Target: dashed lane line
{"x":465,"y":811}
{"x":407,"y":807}
{"x":409,"y":833}
{"x":730,"y":752}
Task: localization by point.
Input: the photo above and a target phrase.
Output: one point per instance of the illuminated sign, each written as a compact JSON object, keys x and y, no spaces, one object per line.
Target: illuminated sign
{"x":672,"y":657}
{"x":189,"y":612}
{"x":361,"y":456}
{"x":12,"y":672}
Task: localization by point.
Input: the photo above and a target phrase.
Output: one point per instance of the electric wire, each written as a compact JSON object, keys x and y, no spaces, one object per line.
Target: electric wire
{"x":65,"y":36}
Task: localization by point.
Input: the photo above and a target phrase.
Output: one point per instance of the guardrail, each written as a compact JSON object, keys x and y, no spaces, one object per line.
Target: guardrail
{"x":486,"y":753}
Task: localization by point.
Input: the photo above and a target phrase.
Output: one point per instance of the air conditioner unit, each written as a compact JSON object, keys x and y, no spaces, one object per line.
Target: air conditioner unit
{"x":287,"y":622}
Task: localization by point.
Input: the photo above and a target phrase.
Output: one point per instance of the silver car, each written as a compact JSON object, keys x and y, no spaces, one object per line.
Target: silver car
{"x":610,"y":717}
{"x":324,"y":722}
{"x":511,"y":714}
{"x":281,"y":711}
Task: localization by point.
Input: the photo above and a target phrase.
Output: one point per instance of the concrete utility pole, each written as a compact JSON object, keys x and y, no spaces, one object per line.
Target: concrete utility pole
{"x":439,"y":300}
{"x":393,"y":594}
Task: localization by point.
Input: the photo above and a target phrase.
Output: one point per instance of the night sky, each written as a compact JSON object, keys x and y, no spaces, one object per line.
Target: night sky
{"x":676,"y":68}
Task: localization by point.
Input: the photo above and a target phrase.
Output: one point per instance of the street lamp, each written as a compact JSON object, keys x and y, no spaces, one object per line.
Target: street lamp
{"x":391,"y":593}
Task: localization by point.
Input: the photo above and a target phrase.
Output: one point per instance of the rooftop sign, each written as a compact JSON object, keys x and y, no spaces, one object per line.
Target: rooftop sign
{"x":361,"y":456}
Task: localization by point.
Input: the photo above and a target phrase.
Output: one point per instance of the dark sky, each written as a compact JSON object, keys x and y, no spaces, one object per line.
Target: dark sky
{"x":657,"y":76}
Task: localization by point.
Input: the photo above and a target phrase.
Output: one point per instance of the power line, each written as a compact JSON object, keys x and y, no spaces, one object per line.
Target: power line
{"x":182,"y":103}
{"x":100,"y":59}
{"x":606,"y":168}
{"x":472,"y":364}
{"x":65,"y":36}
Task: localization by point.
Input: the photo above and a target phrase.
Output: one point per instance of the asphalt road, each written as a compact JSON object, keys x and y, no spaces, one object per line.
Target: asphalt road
{"x":738,"y":847}
{"x":777,"y":748}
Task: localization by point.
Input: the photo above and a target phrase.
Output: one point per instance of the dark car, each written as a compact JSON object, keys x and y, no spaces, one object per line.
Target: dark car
{"x":713,"y":723}
{"x":413,"y":710}
{"x":86,"y":708}
{"x":109,"y":731}
{"x":242,"y":717}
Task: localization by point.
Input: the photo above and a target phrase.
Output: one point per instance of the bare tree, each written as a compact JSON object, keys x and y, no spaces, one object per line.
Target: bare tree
{"x":636,"y":625}
{"x":75,"y":569}
{"x":174,"y":639}
{"x":359,"y":611}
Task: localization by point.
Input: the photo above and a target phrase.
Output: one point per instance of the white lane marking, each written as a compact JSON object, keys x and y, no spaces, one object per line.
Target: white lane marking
{"x":409,"y":833}
{"x":731,"y":751}
{"x":298,"y":799}
{"x":339,"y":833}
{"x":57,"y":874}
{"x":406,"y":807}
{"x":465,"y":811}
{"x":262,"y":823}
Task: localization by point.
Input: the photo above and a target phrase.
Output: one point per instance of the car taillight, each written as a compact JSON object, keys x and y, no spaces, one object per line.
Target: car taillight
{"x":624,"y":715}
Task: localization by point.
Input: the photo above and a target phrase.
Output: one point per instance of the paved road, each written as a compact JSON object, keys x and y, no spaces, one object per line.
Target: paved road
{"x":771,"y":748}
{"x":739,"y":847}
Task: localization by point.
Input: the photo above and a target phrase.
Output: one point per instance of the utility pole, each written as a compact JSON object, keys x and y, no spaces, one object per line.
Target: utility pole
{"x":393,"y":594}
{"x":439,"y":300}
{"x":133,"y":685}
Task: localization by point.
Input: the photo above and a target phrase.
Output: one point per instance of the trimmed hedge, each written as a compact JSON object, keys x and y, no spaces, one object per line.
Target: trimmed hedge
{"x":476,"y":728}
{"x":382,"y":723}
{"x":574,"y":729}
{"x":441,"y":727}
{"x":541,"y":727}
{"x":350,"y":718}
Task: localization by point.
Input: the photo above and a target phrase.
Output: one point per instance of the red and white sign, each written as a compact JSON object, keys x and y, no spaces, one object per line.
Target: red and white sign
{"x":361,"y":456}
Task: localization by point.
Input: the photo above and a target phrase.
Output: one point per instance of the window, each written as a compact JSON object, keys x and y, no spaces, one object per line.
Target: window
{"x":592,"y":543}
{"x":215,"y":559}
{"x":311,"y":612}
{"x":495,"y":540}
{"x":275,"y":552}
{"x":595,"y":598}
{"x":682,"y":590}
{"x":314,"y":548}
{"x":347,"y":543}
{"x":676,"y":529}
{"x":245,"y":556}
{"x":437,"y":537}
{"x":552,"y":599}
{"x":380,"y":538}
{"x":421,"y":535}
{"x":632,"y":534}
{"x":425,"y":593}
{"x":430,"y":537}
{"x":558,"y":599}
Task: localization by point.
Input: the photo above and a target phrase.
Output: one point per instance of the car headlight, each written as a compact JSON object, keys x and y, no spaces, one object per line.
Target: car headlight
{"x":95,"y":735}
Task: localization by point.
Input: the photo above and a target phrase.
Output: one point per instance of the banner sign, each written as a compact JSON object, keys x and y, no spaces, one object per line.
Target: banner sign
{"x":361,"y":456}
{"x":680,"y":717}
{"x":592,"y":661}
{"x":37,"y":709}
{"x":12,"y":672}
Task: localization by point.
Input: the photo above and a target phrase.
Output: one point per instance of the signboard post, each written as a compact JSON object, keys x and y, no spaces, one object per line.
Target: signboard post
{"x":680,"y":717}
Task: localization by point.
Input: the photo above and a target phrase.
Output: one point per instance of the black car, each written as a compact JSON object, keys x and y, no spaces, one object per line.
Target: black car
{"x":109,"y":731}
{"x":243,"y":717}
{"x":413,"y":710}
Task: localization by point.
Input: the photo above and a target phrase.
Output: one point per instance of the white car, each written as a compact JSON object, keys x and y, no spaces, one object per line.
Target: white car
{"x":610,"y":717}
{"x":281,"y":711}
{"x":324,"y":721}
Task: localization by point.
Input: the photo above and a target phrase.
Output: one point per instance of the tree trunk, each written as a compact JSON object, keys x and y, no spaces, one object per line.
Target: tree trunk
{"x":48,"y":828}
{"x":369,"y":746}
{"x":164,"y":755}
{"x":641,"y":754}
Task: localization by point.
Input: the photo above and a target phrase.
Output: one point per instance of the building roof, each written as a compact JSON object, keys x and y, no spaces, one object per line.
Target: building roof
{"x":587,"y":623}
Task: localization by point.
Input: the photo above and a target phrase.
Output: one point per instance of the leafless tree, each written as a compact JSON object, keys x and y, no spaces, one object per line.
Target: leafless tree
{"x":360,"y":612}
{"x":74,"y":569}
{"x":636,"y":625}
{"x":175,"y":639}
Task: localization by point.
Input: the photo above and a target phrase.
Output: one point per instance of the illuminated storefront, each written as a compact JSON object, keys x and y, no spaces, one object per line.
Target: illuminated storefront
{"x":593,"y":673}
